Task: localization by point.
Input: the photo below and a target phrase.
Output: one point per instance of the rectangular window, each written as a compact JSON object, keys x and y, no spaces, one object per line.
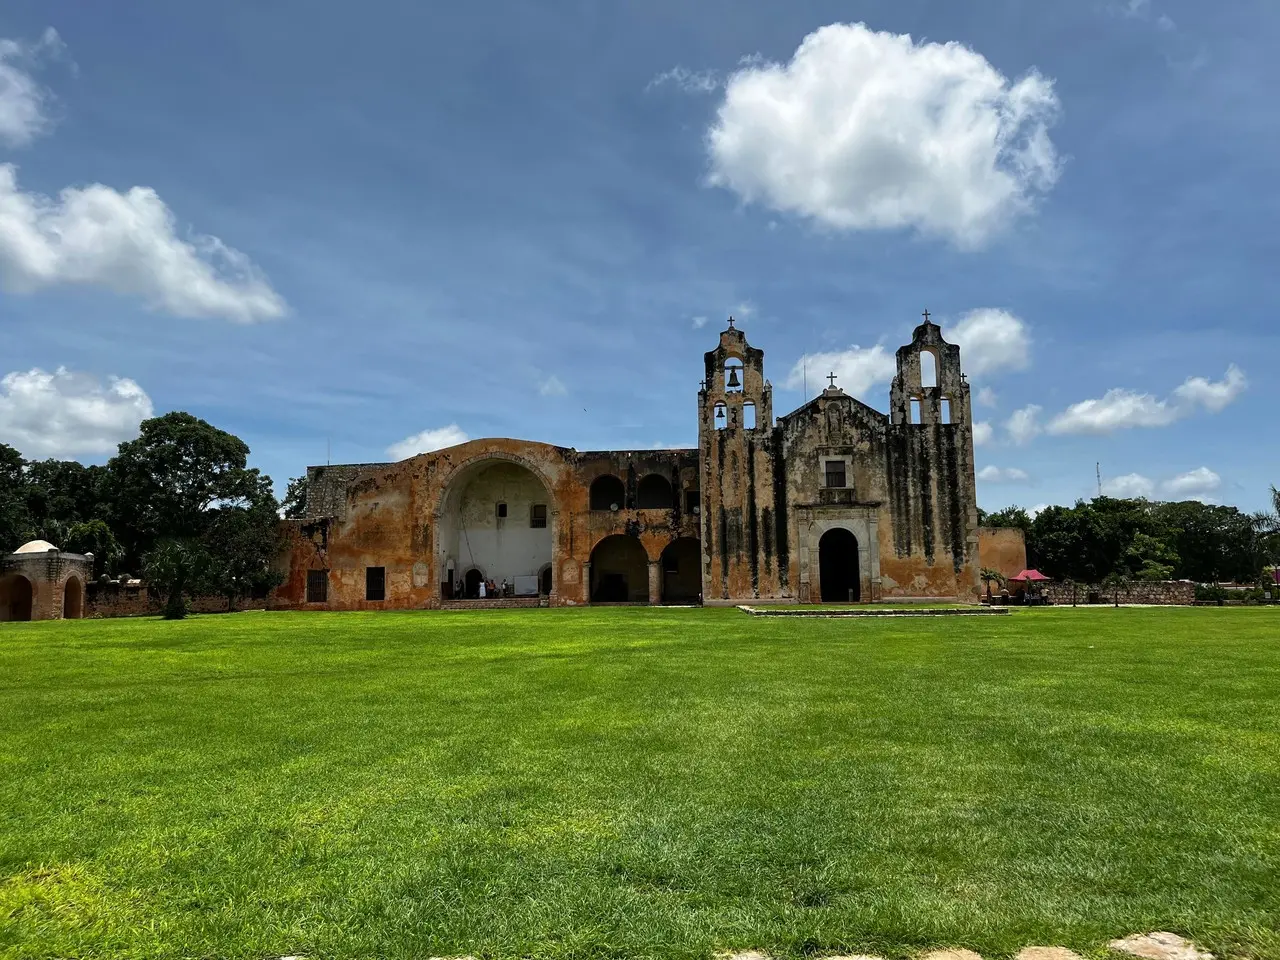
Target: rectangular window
{"x":538,"y":516}
{"x":317,"y":586}
{"x":375,"y":583}
{"x":835,"y":473}
{"x":502,"y":510}
{"x":946,"y":410}
{"x":915,"y":411}
{"x":691,"y":501}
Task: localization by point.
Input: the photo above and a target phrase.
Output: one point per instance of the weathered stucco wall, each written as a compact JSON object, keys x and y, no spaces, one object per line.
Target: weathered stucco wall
{"x":1003,"y":549}
{"x":741,"y":517}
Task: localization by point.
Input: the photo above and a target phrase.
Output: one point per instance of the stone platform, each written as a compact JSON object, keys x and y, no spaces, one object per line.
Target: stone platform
{"x":871,"y":612}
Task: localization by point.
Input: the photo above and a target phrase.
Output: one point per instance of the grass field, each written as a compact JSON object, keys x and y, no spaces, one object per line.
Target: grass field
{"x":638,"y":783}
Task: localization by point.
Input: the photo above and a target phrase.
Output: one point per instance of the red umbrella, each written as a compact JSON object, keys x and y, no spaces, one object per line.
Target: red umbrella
{"x":1031,"y":575}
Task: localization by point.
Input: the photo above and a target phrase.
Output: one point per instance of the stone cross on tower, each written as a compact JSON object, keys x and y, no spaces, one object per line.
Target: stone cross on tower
{"x":926,"y":315}
{"x":831,"y":378}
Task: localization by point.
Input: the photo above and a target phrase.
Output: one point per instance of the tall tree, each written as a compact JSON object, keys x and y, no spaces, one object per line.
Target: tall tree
{"x":295,"y":499}
{"x":15,"y":518}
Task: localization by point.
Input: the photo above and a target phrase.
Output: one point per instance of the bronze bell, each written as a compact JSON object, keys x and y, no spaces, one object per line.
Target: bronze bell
{"x":719,"y":413}
{"x":733,"y":378}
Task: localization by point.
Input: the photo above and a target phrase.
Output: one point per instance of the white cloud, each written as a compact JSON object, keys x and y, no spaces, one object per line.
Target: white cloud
{"x":990,"y":340}
{"x":983,"y":433}
{"x":125,"y":242}
{"x":1128,"y":486}
{"x":1002,"y":475}
{"x":1214,"y":397}
{"x":24,"y":102}
{"x":690,"y":81}
{"x":987,"y":397}
{"x":1120,"y":409}
{"x":743,"y":311}
{"x":867,"y":130}
{"x":857,"y":369}
{"x":66,"y":414}
{"x":1024,"y":425}
{"x":426,"y":441}
{"x":1195,"y":484}
{"x":552,"y":387}
{"x":699,"y":322}
{"x":1038,"y":509}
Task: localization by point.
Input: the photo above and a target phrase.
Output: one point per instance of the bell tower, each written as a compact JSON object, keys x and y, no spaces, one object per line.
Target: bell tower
{"x":735,"y":426}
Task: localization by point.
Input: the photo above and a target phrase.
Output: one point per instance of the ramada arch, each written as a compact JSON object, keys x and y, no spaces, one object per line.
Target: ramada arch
{"x":496,"y":520}
{"x":16,"y":597}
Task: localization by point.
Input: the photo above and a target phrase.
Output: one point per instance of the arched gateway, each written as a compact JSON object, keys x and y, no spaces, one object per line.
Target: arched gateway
{"x":496,"y":522}
{"x":838,"y":567}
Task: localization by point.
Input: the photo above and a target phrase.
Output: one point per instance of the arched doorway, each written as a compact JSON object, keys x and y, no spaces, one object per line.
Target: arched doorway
{"x":544,"y":581}
{"x":619,"y":571}
{"x":682,"y":571}
{"x":496,"y":522}
{"x":73,"y":599}
{"x":838,"y":567}
{"x":15,"y":597}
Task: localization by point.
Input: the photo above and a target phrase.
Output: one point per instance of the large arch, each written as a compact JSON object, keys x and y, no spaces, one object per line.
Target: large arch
{"x":16,"y":597}
{"x":654,"y":492}
{"x":619,"y":571}
{"x":73,"y":599}
{"x":839,"y":578}
{"x":608,"y":493}
{"x":682,"y":571}
{"x":487,"y":522}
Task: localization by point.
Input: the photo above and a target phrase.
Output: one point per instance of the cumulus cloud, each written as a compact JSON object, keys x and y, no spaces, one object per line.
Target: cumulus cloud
{"x":982,"y":433}
{"x":1120,"y":409}
{"x":699,"y":322}
{"x":867,"y":130}
{"x":125,"y":242}
{"x":1023,"y":425}
{"x":1195,"y":484}
{"x":987,"y":397}
{"x":1002,"y":475}
{"x":690,"y":81}
{"x":552,"y":387}
{"x":1130,"y":485}
{"x":426,"y":441}
{"x":1213,"y":396}
{"x":66,"y":414}
{"x":24,"y":102}
{"x":857,"y":369}
{"x":990,"y":340}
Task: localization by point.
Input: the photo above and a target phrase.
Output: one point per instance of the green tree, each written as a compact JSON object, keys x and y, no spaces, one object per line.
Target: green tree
{"x":295,"y":499}
{"x":63,"y":492}
{"x":989,"y":577}
{"x":241,"y":541}
{"x":15,"y":518}
{"x":94,"y":536}
{"x":1150,"y":558}
{"x":175,"y":569}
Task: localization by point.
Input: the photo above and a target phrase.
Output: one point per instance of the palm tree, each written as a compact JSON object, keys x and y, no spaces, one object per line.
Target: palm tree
{"x":989,"y":577}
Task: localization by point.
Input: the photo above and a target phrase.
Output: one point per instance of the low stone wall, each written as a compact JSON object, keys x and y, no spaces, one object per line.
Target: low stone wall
{"x":1162,"y":592}
{"x":137,"y":602}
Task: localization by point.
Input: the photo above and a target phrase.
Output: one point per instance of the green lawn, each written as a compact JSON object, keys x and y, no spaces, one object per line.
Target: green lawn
{"x":638,"y":783}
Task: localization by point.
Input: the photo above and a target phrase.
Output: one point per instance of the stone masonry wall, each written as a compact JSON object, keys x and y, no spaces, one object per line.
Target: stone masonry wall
{"x":1162,"y":592}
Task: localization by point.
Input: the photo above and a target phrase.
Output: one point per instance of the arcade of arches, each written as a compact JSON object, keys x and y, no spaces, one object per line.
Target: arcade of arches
{"x":621,"y":571}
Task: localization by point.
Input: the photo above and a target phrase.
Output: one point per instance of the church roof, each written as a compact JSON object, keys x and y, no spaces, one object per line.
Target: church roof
{"x":36,"y":546}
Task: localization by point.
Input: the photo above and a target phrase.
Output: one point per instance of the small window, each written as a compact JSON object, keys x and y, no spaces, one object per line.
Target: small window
{"x":915,"y":410}
{"x":691,"y":504}
{"x":538,"y":516}
{"x":835,"y":473}
{"x":945,"y":412}
{"x":317,"y":586}
{"x":375,"y":583}
{"x":749,"y":416}
{"x":502,"y":511}
{"x":928,"y":369}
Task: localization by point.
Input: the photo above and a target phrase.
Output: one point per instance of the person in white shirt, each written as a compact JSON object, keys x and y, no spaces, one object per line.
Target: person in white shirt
{"x":481,"y":589}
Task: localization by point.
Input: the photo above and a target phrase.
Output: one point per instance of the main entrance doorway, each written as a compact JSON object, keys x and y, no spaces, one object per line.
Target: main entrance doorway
{"x":838,"y":567}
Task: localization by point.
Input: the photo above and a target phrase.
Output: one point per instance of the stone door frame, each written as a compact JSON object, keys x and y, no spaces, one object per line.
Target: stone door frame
{"x":861,"y":520}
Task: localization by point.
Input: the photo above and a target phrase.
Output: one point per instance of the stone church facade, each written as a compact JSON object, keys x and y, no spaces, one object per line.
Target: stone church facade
{"x":833,"y":502}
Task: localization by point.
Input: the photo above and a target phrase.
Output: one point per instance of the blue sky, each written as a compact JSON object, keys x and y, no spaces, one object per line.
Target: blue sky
{"x":511,"y":219}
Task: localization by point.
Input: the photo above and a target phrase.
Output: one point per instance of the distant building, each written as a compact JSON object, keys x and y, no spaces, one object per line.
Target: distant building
{"x":833,"y":502}
{"x":40,"y":582}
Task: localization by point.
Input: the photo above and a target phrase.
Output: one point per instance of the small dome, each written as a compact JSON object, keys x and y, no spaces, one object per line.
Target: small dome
{"x":36,"y":546}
